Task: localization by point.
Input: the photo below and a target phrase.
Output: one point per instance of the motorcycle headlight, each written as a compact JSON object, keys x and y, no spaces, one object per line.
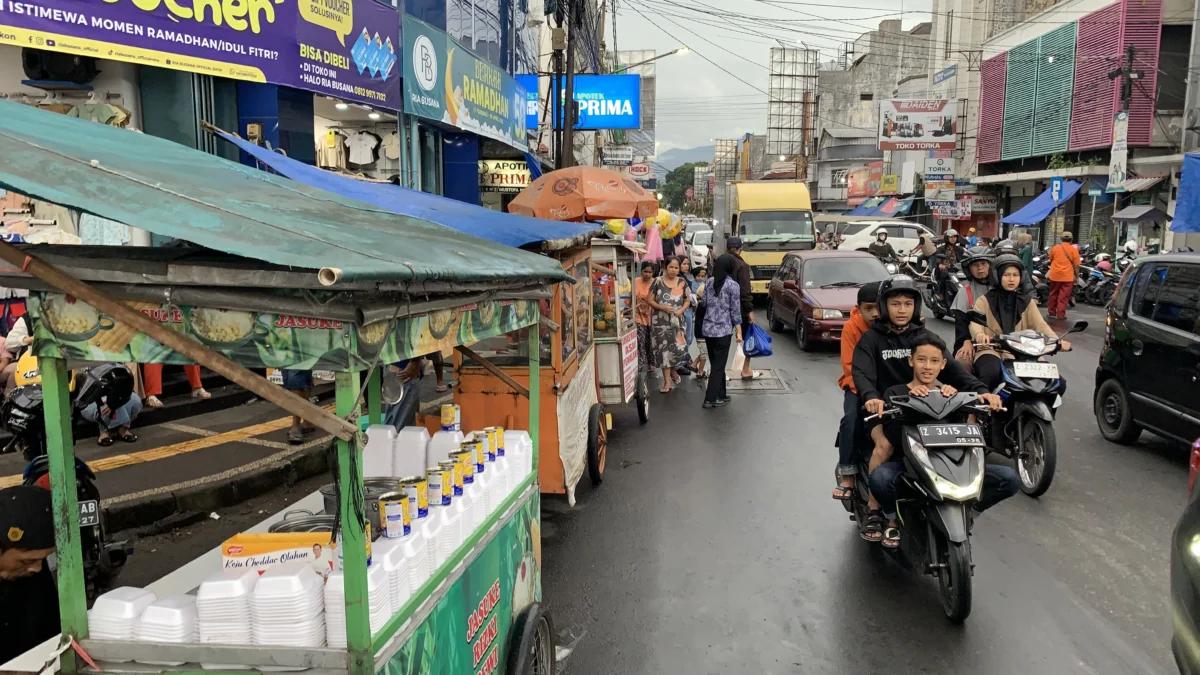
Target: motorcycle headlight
{"x":819,"y":313}
{"x":945,"y":488}
{"x":1029,"y":346}
{"x":891,"y":268}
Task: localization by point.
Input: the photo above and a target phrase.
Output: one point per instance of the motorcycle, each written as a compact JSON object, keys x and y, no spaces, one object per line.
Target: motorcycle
{"x":943,"y":478}
{"x":1032,"y":391}
{"x":102,"y":560}
{"x":940,"y":297}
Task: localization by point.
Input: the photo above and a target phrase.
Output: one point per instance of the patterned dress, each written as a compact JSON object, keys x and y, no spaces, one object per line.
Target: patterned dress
{"x":666,"y":330}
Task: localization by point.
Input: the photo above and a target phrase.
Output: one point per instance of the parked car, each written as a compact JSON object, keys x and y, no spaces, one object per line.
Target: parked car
{"x":814,"y":291}
{"x":1149,"y":371}
{"x":903,"y":236}
{"x":699,"y":247}
{"x":1185,"y":577}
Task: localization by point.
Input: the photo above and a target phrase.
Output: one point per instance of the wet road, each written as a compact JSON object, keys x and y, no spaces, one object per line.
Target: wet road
{"x":713,"y":547}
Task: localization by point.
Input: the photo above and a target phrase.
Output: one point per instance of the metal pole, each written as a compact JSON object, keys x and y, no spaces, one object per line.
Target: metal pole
{"x":535,"y":391}
{"x":375,"y":395}
{"x":414,"y":148}
{"x":1092,"y":219}
{"x":573,"y":23}
{"x":354,"y":542}
{"x":60,"y":447}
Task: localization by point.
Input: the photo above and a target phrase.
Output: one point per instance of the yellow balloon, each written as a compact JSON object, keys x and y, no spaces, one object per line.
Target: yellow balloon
{"x":673,"y":228}
{"x":616,"y":226}
{"x":664,"y":218}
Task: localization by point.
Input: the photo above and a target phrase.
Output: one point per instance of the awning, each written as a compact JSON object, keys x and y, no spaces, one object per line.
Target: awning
{"x":1041,"y":206}
{"x":502,"y":228}
{"x":1143,"y":183}
{"x":175,"y":191}
{"x":1187,"y":205}
{"x":1143,"y":213}
{"x":894,"y":206}
{"x":865,"y":208}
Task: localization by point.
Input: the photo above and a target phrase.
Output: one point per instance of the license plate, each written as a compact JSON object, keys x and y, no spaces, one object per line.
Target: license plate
{"x":1047,"y":371}
{"x":89,"y":513}
{"x":933,"y":435}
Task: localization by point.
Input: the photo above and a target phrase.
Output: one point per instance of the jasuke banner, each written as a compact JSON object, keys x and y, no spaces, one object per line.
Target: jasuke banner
{"x":343,"y":48}
{"x":65,"y":327}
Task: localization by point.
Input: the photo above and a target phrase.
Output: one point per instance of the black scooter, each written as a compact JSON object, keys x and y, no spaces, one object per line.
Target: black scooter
{"x":943,"y":477}
{"x":1032,"y":391}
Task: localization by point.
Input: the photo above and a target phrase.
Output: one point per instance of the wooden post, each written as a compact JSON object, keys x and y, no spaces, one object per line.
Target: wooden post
{"x":535,"y":390}
{"x":375,"y":395}
{"x":353,"y":545}
{"x":60,"y":447}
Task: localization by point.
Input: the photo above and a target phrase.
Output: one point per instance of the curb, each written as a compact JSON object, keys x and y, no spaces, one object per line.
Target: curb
{"x":167,"y":509}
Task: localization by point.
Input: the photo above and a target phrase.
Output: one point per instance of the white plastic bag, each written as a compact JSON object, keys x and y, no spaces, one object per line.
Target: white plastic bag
{"x":737,"y":357}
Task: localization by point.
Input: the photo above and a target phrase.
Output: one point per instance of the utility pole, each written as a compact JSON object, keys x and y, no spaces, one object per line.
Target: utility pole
{"x":574,"y":24}
{"x":558,"y":43}
{"x":1128,"y":75}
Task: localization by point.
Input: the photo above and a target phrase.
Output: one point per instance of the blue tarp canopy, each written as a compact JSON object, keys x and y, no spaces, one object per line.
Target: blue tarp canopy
{"x":865,"y":208}
{"x":881,"y":207}
{"x":1041,"y":206}
{"x":502,"y":228}
{"x":1187,"y":205}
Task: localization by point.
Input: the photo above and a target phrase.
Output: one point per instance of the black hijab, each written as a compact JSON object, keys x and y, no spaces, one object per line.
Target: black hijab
{"x":1007,"y":306}
{"x":722,"y":270}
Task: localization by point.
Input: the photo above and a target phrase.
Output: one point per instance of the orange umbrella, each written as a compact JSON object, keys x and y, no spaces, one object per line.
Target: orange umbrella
{"x":584,"y":193}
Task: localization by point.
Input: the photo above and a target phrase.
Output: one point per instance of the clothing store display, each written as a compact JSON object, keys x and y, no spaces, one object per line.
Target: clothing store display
{"x":362,"y":148}
{"x":391,"y":146}
{"x":331,"y":150}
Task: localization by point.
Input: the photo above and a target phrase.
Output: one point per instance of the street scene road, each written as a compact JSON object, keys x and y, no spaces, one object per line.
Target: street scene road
{"x":713,"y":546}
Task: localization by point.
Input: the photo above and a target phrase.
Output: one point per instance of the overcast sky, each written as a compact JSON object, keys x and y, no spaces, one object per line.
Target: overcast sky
{"x":697,"y":101}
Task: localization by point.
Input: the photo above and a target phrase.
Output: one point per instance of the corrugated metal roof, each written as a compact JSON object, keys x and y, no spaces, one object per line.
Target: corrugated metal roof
{"x":1141,"y":213}
{"x":849,"y":132}
{"x":174,"y":191}
{"x":1143,"y":183}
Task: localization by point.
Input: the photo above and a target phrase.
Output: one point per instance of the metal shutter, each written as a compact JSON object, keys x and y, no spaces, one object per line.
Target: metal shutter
{"x":1019,"y":98}
{"x":1097,"y":52}
{"x":991,"y":109}
{"x":1141,"y":27}
{"x":1056,"y":75}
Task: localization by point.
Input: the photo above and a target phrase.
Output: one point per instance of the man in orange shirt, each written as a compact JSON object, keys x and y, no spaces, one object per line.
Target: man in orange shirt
{"x":859,"y":322}
{"x":1064,"y":265}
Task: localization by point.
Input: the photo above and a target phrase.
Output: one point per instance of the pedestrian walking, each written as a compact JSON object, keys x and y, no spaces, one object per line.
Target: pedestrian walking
{"x":670,"y":298}
{"x":741,"y":274}
{"x":152,"y":383}
{"x":643,"y":316}
{"x":698,"y":285}
{"x":722,"y":325}
{"x":1064,"y":266}
{"x":299,"y":382}
{"x":689,"y":315}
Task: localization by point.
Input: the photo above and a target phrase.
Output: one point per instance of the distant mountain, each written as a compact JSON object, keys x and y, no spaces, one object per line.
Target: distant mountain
{"x":676,"y":157}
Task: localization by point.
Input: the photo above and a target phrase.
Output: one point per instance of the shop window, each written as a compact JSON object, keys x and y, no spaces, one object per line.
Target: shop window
{"x":431,"y":161}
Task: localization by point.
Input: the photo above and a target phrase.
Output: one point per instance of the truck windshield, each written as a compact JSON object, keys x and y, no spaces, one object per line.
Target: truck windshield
{"x":789,"y":225}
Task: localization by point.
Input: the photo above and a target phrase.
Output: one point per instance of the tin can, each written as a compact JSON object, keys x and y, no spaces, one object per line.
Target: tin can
{"x":366,"y":535}
{"x":416,"y":488}
{"x":451,"y":417}
{"x":493,"y":445}
{"x":466,"y":457}
{"x":499,"y":441}
{"x":480,"y":448}
{"x":456,"y":475}
{"x":441,"y":485}
{"x":393,"y":515}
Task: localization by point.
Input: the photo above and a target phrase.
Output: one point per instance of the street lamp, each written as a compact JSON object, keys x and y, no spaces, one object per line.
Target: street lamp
{"x":659,"y":196}
{"x":679,"y":50}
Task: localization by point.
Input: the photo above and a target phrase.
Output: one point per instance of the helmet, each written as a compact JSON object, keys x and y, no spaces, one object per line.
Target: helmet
{"x":951,"y":233}
{"x":27,"y":370}
{"x":23,"y":416}
{"x":1105,"y":265}
{"x":1101,"y":257}
{"x":1000,"y":262}
{"x":111,"y":382}
{"x":975,"y":254}
{"x":899,"y":284}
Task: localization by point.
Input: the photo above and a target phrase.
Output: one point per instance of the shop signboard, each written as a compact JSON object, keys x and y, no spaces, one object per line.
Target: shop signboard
{"x":944,"y":74}
{"x":532,"y":90}
{"x":982,"y":203}
{"x":890,"y":184}
{"x":331,"y":48}
{"x":617,"y":155}
{"x":641,"y":171}
{"x":690,"y":193}
{"x":503,"y":175}
{"x":858,"y":185}
{"x":908,"y":178}
{"x":939,"y":190}
{"x":939,"y":166}
{"x":629,"y":362}
{"x":959,"y":209}
{"x":919,"y":124}
{"x":1119,"y":155}
{"x":874,"y":177}
{"x":446,"y":82}
{"x":606,"y":102}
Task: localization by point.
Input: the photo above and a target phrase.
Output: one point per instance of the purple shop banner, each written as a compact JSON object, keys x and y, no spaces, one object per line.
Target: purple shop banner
{"x":343,"y":48}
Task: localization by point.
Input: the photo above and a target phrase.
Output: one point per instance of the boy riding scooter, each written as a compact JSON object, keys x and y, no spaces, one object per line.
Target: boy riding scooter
{"x":861,"y":317}
{"x":881,"y":361}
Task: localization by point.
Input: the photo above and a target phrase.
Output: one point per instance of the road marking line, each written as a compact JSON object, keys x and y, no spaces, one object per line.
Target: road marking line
{"x":245,"y":434}
{"x":183,"y":428}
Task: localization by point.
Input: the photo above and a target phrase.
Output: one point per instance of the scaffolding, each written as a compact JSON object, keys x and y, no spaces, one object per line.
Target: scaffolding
{"x":725,"y":160}
{"x":791,"y":95}
{"x":642,"y":140}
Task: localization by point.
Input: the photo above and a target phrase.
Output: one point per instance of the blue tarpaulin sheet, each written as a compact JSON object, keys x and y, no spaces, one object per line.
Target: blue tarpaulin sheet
{"x":1187,"y":205}
{"x":501,"y":228}
{"x":865,"y":208}
{"x":1036,"y":211}
{"x":891,"y":206}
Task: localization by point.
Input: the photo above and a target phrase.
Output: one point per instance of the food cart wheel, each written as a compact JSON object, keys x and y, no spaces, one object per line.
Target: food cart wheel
{"x":533,"y":650}
{"x":642,"y":398}
{"x":597,"y":444}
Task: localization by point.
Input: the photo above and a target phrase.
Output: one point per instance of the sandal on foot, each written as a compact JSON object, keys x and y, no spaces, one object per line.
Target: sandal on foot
{"x":201,"y":394}
{"x":153,"y":402}
{"x":873,"y":527}
{"x":891,"y":537}
{"x":129,"y":437}
{"x":295,"y":436}
{"x":105,"y":442}
{"x":842,"y":493}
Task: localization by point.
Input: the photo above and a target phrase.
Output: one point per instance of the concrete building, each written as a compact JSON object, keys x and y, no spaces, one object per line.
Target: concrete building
{"x":840,"y":150}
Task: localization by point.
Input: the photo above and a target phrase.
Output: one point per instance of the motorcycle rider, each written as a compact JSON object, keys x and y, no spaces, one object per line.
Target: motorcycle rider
{"x":861,"y":317}
{"x":928,"y":359}
{"x":978,"y":265}
{"x":881,"y":362}
{"x":1008,"y":308}
{"x":880,"y":248}
{"x":948,"y":254}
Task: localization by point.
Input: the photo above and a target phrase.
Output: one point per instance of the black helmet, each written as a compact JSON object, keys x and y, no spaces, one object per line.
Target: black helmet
{"x":899,"y":284}
{"x":975,"y":254}
{"x":24,"y":417}
{"x":1002,"y":261}
{"x":111,"y":382}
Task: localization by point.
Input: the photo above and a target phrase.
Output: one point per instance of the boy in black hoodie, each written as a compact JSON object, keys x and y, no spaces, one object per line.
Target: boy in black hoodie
{"x":881,"y":361}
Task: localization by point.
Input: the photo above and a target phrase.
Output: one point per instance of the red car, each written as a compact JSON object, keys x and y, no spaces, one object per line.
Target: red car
{"x":814,"y":291}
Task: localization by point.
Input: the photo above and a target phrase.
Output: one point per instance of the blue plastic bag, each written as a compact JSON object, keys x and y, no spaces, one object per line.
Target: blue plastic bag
{"x":756,"y":343}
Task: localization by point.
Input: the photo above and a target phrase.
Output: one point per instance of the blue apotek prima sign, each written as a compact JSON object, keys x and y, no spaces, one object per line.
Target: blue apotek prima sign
{"x":608,"y":101}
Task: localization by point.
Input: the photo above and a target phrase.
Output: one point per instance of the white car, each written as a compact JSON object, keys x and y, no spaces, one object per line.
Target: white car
{"x":902,"y":235}
{"x":698,"y":244}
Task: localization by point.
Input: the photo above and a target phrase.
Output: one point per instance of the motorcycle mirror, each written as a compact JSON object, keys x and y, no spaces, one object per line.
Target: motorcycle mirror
{"x":1079,"y":327}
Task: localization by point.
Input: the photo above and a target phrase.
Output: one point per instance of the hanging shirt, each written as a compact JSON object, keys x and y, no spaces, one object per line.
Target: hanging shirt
{"x":391,"y":146}
{"x":362,"y":148}
{"x":331,"y":150}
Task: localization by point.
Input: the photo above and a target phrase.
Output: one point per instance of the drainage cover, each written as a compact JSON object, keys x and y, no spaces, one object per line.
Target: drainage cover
{"x":767,"y":381}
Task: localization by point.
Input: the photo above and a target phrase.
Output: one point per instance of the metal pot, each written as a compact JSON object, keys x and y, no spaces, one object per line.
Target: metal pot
{"x":373,"y":489}
{"x":301,"y":520}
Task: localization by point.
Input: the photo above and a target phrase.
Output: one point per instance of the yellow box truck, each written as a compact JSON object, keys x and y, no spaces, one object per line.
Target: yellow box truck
{"x":772,"y":217}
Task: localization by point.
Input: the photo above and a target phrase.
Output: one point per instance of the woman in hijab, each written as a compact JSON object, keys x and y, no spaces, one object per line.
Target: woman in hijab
{"x":643,"y":312}
{"x":1008,"y":309}
{"x":722,"y":324}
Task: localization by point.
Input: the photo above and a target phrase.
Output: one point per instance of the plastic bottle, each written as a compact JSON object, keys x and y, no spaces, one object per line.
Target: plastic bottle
{"x":441,"y":445}
{"x":482,"y":477}
{"x":472,"y":496}
{"x":409,"y":452}
{"x":504,"y":484}
{"x":441,"y":481}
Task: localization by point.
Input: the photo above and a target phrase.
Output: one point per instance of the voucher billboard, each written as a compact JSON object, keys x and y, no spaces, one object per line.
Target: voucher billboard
{"x":918,"y":124}
{"x":332,"y":48}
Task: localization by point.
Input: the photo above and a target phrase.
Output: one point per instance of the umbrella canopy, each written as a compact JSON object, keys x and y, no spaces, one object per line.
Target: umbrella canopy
{"x":584,"y":193}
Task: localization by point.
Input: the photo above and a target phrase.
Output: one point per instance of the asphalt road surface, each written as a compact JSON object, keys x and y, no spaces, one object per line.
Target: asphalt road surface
{"x":713,"y":547}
